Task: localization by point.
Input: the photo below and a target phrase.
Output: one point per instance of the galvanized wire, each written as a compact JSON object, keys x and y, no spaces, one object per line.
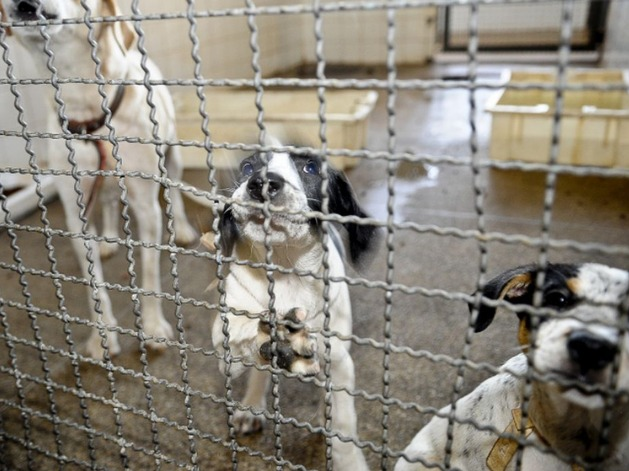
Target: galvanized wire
{"x":479,"y":207}
{"x":159,"y":450}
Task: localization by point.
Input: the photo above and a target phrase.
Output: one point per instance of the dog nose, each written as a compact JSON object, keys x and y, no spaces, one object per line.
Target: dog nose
{"x":589,"y":351}
{"x":256,"y":182}
{"x":28,"y":9}
{"x":28,"y":6}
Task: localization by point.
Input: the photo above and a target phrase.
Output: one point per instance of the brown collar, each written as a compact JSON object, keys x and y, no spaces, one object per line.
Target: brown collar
{"x":506,"y":447}
{"x":88,"y":127}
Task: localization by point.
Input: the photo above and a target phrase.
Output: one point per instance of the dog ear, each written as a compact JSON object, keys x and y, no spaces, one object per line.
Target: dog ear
{"x":228,"y":231}
{"x":342,"y":201}
{"x":4,"y":17}
{"x":123,"y":32}
{"x":515,"y":285}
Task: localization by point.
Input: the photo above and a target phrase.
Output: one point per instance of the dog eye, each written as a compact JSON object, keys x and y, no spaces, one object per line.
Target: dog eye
{"x":311,"y":167}
{"x":247,"y":169}
{"x":555,"y":299}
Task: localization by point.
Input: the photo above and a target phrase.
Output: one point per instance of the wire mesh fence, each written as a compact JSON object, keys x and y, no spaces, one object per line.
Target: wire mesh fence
{"x":112,"y":365}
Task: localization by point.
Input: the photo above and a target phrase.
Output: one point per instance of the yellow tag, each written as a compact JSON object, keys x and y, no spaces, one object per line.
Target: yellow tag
{"x":505,"y":447}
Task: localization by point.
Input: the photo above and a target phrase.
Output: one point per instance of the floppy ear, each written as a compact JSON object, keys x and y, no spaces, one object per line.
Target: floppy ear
{"x":4,"y":17}
{"x":123,"y":32}
{"x":228,"y":231}
{"x":515,"y":285}
{"x":342,"y":201}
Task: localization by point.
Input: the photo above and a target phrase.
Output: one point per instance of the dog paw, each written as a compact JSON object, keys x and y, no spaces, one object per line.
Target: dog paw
{"x":185,"y":234}
{"x":295,"y":347}
{"x":94,"y":345}
{"x":158,"y":330}
{"x":246,"y":422}
{"x":107,"y":249}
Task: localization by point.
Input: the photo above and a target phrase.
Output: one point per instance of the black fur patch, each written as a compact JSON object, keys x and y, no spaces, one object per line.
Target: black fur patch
{"x":228,"y":230}
{"x":341,"y":201}
{"x":555,"y":291}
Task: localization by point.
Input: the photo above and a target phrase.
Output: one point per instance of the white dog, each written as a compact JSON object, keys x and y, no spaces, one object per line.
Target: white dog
{"x":574,"y":351}
{"x":130,"y":117}
{"x":293,"y":186}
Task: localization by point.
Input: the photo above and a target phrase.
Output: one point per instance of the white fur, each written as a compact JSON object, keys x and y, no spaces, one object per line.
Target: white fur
{"x":72,"y":58}
{"x":560,"y":414}
{"x":291,"y":227}
{"x":296,"y":246}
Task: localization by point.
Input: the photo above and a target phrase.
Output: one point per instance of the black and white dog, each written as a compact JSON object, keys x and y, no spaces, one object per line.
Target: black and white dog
{"x":578,"y":351}
{"x":291,"y":185}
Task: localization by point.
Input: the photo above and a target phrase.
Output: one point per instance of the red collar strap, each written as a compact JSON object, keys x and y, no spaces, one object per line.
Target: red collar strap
{"x":88,"y":127}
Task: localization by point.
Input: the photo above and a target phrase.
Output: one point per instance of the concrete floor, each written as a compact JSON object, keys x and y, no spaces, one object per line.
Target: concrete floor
{"x":432,"y":327}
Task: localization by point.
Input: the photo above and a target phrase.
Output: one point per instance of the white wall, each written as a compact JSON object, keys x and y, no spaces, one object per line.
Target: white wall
{"x":224,"y":41}
{"x":616,"y":50}
{"x":360,"y":37}
{"x":285,"y":41}
{"x":514,"y":18}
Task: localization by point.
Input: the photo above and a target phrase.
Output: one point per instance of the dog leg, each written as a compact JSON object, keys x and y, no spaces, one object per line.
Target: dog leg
{"x":110,"y":203}
{"x":94,"y":345}
{"x":144,"y":203}
{"x":184,"y":232}
{"x":296,"y":351}
{"x":345,"y":455}
{"x":246,"y":421}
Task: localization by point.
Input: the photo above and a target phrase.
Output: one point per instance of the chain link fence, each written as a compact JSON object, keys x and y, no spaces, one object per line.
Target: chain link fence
{"x":451,"y":218}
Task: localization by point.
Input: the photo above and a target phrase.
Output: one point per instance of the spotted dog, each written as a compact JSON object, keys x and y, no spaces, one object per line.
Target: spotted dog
{"x":578,"y":349}
{"x":292,"y":187}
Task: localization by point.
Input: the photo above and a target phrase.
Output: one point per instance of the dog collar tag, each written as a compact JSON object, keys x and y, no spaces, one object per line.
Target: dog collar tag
{"x":505,"y":447}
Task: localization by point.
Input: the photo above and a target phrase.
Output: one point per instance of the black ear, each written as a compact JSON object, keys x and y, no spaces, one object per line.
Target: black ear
{"x":515,"y":285}
{"x":228,"y":231}
{"x":342,"y":201}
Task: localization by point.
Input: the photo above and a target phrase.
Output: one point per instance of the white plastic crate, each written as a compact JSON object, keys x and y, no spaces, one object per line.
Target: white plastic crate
{"x":287,"y":113}
{"x":594,"y":123}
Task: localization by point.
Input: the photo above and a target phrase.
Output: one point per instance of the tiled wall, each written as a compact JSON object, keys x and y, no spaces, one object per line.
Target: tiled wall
{"x":223,"y":40}
{"x":360,"y":37}
{"x":285,"y":41}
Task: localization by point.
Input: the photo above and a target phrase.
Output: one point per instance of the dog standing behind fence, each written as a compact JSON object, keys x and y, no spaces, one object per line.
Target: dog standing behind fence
{"x":292,"y":185}
{"x":578,"y":354}
{"x":68,"y":51}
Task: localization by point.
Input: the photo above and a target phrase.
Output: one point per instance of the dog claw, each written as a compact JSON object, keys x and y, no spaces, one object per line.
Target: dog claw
{"x":94,"y":346}
{"x":246,"y":422}
{"x":306,"y":366}
{"x":159,"y":330}
{"x":295,"y":348}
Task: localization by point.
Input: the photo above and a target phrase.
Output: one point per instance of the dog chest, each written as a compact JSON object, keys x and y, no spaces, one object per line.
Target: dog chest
{"x":252,"y":292}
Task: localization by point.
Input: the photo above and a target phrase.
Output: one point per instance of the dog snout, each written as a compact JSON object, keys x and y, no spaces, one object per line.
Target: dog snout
{"x":589,"y":351}
{"x":28,"y":9}
{"x":27,"y":6}
{"x":256,"y":183}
